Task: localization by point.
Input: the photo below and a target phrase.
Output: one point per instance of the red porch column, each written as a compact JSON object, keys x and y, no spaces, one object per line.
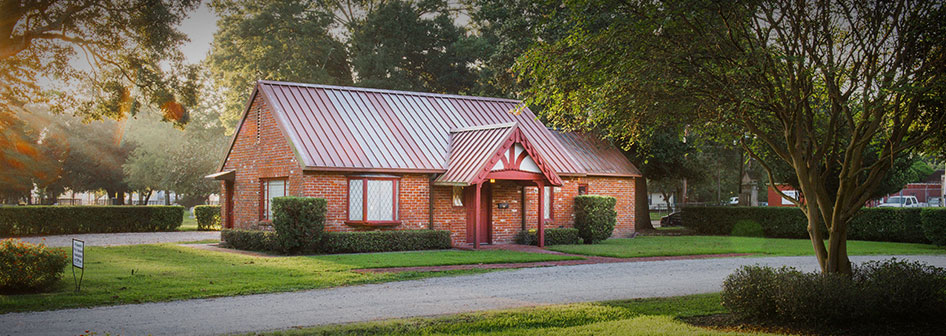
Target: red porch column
{"x":541,"y":213}
{"x":476,"y":214}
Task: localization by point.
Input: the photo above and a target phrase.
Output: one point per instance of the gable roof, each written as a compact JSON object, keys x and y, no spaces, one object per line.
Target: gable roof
{"x":335,"y":128}
{"x":475,"y":150}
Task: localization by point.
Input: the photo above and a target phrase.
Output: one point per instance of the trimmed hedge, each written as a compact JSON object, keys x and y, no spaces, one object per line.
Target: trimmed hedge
{"x":299,"y":222}
{"x":561,"y":236}
{"x":934,"y":225}
{"x":875,"y":224}
{"x":889,"y":291}
{"x":250,"y":240}
{"x":208,"y":217}
{"x":45,"y":220}
{"x":385,"y":241}
{"x":344,"y":242}
{"x":29,"y":268}
{"x":595,"y":217}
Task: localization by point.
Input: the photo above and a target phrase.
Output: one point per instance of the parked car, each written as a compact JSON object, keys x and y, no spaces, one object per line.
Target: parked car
{"x":900,"y":202}
{"x":935,"y":201}
{"x":673,"y":219}
{"x":734,"y":200}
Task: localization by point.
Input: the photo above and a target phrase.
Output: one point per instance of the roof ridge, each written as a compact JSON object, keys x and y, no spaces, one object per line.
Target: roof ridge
{"x":483,"y":127}
{"x":387,"y":91}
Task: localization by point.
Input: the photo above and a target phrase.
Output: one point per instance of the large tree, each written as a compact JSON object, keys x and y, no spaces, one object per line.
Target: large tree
{"x":412,"y":46}
{"x":131,"y":48}
{"x":272,"y":40}
{"x":819,"y":83}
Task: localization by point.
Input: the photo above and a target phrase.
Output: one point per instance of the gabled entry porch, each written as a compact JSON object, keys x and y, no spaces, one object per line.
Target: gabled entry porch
{"x":483,"y":156}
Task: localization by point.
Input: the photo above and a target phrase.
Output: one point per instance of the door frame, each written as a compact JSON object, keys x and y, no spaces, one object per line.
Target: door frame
{"x":228,"y":222}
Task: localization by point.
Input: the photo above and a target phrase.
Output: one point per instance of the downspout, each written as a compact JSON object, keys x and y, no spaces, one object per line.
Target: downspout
{"x":430,"y":202}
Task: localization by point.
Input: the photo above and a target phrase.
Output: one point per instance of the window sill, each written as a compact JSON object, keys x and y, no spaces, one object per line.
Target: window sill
{"x":373,"y":223}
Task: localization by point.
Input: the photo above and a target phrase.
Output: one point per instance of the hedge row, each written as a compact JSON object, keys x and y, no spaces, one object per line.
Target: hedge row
{"x":208,"y":217}
{"x":910,"y":225}
{"x":553,"y":236}
{"x":44,"y":220}
{"x":343,"y":242}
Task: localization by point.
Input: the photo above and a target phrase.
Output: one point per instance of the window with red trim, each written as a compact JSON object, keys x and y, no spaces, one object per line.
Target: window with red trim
{"x":271,"y":188}
{"x":373,"y":200}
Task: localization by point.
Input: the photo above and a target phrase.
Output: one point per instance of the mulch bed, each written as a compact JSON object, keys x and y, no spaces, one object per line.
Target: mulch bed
{"x":726,"y":322}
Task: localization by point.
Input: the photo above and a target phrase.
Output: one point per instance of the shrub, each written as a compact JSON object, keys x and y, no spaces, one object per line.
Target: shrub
{"x":250,"y":240}
{"x":26,"y":267}
{"x":385,"y":241}
{"x":208,"y":217}
{"x":889,"y":291}
{"x":876,"y":224}
{"x":43,"y":220}
{"x":561,"y":236}
{"x":299,"y":222}
{"x":934,"y":225}
{"x":595,"y":217}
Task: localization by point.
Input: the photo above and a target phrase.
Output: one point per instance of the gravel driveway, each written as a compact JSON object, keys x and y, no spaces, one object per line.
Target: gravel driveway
{"x":435,"y":296}
{"x":128,"y":238}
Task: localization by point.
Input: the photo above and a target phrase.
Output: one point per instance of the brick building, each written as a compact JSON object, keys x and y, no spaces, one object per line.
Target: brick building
{"x":394,"y":160}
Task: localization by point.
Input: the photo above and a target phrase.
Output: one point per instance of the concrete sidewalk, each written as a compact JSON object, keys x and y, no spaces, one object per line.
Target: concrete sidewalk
{"x":434,"y":296}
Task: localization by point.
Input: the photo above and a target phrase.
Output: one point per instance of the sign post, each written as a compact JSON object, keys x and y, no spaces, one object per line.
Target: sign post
{"x":78,"y":261}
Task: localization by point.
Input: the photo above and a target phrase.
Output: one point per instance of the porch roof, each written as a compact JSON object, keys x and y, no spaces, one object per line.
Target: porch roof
{"x":478,"y":151}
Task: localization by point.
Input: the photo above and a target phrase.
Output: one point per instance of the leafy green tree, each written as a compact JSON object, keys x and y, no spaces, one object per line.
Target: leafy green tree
{"x":132,"y":47}
{"x":171,"y":159}
{"x":272,"y":40}
{"x":816,"y":83}
{"x":397,"y":46}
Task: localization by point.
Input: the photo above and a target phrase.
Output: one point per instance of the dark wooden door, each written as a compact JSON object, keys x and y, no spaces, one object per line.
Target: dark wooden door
{"x":486,"y":214}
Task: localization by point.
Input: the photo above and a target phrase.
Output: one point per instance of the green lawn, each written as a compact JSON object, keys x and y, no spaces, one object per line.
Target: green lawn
{"x":146,"y":273}
{"x":629,"y":317}
{"x":189,"y":224}
{"x":650,"y":246}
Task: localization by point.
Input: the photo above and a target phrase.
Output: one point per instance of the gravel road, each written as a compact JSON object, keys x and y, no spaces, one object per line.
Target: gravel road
{"x":435,"y":296}
{"x":128,"y":238}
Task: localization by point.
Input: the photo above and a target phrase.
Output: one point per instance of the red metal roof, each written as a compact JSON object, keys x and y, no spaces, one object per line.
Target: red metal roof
{"x":595,"y":156}
{"x":348,"y":128}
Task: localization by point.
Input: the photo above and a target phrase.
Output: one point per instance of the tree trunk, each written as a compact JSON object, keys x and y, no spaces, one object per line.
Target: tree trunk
{"x":641,"y":207}
{"x":167,"y":197}
{"x":148,"y":196}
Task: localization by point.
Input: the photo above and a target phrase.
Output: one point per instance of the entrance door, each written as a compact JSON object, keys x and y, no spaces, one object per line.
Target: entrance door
{"x":229,"y":199}
{"x":486,"y":214}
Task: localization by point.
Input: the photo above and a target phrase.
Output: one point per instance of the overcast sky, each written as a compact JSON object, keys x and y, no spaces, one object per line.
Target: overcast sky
{"x":199,"y":27}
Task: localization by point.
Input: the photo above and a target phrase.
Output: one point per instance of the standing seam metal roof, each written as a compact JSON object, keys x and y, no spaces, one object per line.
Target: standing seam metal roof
{"x":349,"y":128}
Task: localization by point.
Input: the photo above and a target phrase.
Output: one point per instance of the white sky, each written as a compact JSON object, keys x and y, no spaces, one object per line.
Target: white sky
{"x":199,"y":27}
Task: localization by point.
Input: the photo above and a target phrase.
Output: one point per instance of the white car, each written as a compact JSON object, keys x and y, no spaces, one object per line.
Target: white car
{"x":935,"y":202}
{"x":900,"y":202}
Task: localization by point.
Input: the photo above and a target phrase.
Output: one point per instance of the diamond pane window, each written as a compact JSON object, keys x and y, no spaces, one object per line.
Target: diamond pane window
{"x":372,"y":199}
{"x":355,"y":200}
{"x":380,"y":200}
{"x":547,"y":208}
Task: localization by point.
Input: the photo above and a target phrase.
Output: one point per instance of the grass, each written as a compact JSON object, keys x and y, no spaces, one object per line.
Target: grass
{"x":164,"y":272}
{"x":189,"y":224}
{"x":650,"y":246}
{"x":627,"y":317}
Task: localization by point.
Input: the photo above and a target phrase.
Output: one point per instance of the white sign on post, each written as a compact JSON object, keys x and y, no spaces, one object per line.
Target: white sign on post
{"x":78,"y":253}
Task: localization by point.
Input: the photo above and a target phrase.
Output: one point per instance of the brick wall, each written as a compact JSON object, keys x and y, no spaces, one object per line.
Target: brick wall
{"x":257,"y":156}
{"x":563,"y":203}
{"x":413,"y":208}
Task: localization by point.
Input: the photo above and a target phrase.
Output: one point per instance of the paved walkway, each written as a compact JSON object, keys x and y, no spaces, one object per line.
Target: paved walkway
{"x":586,"y":261}
{"x":128,"y":238}
{"x":427,"y":297}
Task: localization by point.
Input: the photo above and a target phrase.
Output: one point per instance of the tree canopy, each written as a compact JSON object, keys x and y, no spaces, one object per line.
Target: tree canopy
{"x":817,"y":83}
